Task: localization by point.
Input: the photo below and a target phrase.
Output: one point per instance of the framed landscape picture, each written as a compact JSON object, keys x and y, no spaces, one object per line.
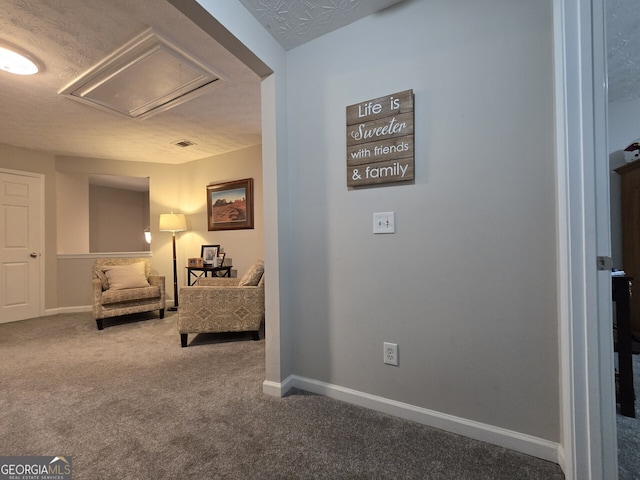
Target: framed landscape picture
{"x":230,"y":205}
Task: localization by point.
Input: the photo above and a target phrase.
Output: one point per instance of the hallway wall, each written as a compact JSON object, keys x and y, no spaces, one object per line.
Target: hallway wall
{"x":467,"y":285}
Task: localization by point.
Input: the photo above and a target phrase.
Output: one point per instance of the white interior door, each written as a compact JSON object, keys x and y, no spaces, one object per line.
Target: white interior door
{"x":20,"y":241}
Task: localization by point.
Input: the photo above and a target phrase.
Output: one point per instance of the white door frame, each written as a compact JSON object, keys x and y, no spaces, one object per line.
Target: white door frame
{"x":41,"y":227}
{"x":589,"y":447}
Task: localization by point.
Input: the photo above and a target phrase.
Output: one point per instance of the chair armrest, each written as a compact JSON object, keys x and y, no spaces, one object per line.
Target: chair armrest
{"x":195,"y":296}
{"x":217,"y":282}
{"x":156,"y":280}
{"x":96,"y":285}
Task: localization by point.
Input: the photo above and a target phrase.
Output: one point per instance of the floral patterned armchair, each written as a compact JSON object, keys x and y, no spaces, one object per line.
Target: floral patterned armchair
{"x":223,"y":305}
{"x":125,"y":285}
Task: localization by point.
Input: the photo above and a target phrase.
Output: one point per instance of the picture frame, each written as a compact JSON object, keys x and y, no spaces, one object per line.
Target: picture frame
{"x":209,"y":253}
{"x":221,"y":258}
{"x":196,"y":262}
{"x":230,"y":205}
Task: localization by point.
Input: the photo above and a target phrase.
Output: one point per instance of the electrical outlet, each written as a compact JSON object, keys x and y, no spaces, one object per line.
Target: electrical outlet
{"x":391,"y":353}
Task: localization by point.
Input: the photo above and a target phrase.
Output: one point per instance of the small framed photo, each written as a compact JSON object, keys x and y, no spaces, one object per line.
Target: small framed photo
{"x":230,"y":205}
{"x":221,"y":258}
{"x":209,"y":253}
{"x":196,"y":262}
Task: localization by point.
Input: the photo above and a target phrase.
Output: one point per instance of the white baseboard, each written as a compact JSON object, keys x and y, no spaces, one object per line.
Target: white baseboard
{"x":78,"y":309}
{"x":502,"y":437}
{"x":276,"y":389}
{"x":562,"y":460}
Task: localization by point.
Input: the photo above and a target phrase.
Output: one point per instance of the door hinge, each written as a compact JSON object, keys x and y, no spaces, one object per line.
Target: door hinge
{"x":604,"y":263}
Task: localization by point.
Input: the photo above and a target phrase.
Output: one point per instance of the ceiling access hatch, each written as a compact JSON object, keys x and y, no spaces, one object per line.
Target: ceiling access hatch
{"x":146,"y":76}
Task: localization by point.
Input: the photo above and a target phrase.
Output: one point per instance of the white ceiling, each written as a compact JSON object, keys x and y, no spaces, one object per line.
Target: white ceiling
{"x":623,"y":49}
{"x":294,"y":22}
{"x":70,"y":37}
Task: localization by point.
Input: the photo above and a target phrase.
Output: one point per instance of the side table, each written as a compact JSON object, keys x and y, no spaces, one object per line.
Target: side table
{"x":194,"y":273}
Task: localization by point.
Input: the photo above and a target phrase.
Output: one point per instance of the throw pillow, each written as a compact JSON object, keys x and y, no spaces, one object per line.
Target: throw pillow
{"x":253,"y":275}
{"x":126,"y":276}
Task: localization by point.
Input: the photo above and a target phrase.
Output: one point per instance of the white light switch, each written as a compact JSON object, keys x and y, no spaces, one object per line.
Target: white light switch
{"x":384,"y":222}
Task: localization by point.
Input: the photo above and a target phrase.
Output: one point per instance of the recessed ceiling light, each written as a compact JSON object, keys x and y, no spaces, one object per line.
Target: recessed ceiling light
{"x":13,"y":62}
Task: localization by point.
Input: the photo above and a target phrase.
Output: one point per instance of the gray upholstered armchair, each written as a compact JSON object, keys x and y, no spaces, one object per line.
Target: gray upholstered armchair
{"x":223,"y":305}
{"x":125,"y":285}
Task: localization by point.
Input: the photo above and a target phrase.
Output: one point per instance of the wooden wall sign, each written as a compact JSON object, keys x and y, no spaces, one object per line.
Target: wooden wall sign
{"x":380,"y":140}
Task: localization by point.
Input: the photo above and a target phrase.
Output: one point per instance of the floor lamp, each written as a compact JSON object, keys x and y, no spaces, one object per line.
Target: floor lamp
{"x":173,"y":222}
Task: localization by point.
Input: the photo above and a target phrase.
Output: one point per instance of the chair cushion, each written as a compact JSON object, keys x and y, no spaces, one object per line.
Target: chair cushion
{"x":126,"y":276}
{"x":130,"y":294}
{"x":252,"y":277}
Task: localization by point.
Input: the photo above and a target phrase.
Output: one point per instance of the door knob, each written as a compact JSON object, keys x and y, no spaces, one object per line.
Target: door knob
{"x":33,"y":255}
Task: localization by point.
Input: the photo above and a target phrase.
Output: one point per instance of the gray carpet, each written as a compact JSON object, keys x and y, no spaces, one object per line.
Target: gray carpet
{"x":129,"y":403}
{"x":629,"y":434}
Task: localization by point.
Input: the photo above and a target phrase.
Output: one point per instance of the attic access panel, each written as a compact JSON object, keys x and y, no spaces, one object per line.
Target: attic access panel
{"x":146,"y":76}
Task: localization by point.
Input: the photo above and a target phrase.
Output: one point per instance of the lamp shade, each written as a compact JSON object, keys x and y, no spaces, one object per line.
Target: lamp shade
{"x":172,"y":222}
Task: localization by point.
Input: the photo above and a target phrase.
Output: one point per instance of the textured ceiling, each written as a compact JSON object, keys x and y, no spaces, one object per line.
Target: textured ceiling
{"x":294,"y":22}
{"x":623,"y":49}
{"x":69,"y":37}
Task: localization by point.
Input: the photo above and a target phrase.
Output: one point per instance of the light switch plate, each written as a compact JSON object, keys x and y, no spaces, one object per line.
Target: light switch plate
{"x":384,"y":222}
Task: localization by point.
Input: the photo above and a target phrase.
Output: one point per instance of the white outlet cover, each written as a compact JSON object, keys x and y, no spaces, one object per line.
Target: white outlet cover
{"x":390,"y":353}
{"x":384,"y":222}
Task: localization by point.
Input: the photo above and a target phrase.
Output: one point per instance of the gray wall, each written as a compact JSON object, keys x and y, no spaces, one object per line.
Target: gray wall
{"x":117,"y":219}
{"x":467,"y":285}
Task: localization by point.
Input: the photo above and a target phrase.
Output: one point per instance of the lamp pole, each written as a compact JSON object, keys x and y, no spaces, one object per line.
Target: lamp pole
{"x":175,"y":277}
{"x":174,"y":223}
